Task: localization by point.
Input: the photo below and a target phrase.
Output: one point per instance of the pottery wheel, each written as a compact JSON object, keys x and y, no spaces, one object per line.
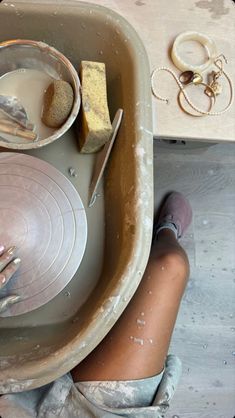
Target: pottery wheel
{"x":42,"y":214}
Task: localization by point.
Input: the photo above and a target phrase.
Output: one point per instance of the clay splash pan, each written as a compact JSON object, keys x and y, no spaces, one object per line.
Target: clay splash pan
{"x":38,"y":346}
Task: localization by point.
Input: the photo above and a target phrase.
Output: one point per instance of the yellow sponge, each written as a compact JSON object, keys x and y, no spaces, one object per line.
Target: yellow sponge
{"x":95,"y":127}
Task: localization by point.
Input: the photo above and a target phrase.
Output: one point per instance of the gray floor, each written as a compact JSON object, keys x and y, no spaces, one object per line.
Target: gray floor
{"x":204,"y":336}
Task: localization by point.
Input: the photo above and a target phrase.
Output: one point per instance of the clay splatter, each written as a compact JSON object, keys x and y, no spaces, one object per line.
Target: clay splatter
{"x":139,"y":341}
{"x":140,"y":322}
{"x":139,"y":3}
{"x":215,"y":7}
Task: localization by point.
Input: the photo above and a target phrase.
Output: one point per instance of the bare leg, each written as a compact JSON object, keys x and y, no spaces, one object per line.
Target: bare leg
{"x":137,"y":345}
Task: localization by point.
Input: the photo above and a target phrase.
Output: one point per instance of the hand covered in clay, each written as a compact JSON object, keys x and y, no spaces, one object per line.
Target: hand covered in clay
{"x":9,"y":264}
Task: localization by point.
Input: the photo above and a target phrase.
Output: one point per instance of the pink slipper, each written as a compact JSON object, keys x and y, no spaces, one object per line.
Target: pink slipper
{"x":176,"y":211}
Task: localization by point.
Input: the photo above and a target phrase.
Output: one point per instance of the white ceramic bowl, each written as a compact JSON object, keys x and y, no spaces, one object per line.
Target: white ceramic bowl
{"x":20,"y":53}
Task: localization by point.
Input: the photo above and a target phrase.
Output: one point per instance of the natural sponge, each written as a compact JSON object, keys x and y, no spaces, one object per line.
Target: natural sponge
{"x":58,"y":103}
{"x":96,"y":128}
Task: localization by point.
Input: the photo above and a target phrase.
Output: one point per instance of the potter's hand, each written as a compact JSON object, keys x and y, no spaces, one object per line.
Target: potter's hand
{"x":8,"y":266}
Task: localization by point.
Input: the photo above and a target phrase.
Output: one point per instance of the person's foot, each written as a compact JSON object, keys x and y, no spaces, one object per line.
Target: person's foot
{"x":175,"y":214}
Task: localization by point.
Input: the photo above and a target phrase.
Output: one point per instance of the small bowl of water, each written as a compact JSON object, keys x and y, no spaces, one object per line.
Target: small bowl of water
{"x":27,"y":68}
